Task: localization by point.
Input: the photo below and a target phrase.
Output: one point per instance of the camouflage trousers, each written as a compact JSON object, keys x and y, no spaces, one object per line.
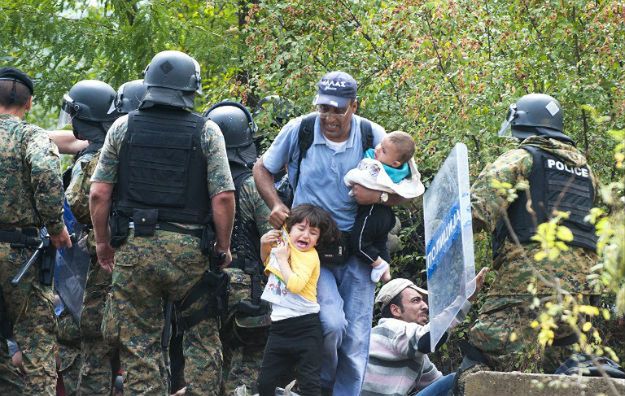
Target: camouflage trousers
{"x":202,"y":359}
{"x":95,"y":371}
{"x":147,"y":271}
{"x":69,"y":358}
{"x":492,"y":334}
{"x":242,"y":367}
{"x":30,"y":308}
{"x":69,"y":368}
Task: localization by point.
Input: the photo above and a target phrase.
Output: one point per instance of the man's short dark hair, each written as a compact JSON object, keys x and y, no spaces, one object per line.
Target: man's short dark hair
{"x":317,"y":217}
{"x":386,"y":311}
{"x":13,"y":93}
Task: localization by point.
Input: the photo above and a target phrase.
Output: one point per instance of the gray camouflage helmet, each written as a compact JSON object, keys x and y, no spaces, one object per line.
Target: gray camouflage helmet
{"x":129,"y":96}
{"x":238,"y":128}
{"x":89,"y":100}
{"x":535,"y":114}
{"x":173,"y":70}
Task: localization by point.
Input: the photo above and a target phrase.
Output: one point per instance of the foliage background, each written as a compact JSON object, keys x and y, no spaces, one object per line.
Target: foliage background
{"x":443,"y":70}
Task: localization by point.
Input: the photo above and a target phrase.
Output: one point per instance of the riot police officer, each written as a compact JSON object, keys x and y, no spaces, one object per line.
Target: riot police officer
{"x":163,"y":177}
{"x":559,"y":179}
{"x":245,"y":331}
{"x":129,"y":96}
{"x":90,"y":107}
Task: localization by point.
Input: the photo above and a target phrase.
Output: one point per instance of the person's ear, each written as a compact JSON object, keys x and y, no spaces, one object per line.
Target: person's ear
{"x":29,"y":104}
{"x":396,"y":164}
{"x":395,"y":310}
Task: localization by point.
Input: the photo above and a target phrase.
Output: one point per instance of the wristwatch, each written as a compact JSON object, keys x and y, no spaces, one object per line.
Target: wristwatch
{"x":383,"y":197}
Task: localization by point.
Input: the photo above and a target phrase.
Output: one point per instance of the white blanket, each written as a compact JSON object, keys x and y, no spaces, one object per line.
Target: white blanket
{"x":370,"y":173}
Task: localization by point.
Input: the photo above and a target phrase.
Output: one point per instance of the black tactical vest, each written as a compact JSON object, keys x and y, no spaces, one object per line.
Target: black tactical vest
{"x":554,"y":185}
{"x":245,"y":238}
{"x":162,"y":166}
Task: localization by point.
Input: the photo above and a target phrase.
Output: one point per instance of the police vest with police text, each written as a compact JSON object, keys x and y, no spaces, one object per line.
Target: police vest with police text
{"x":554,"y":185}
{"x":162,"y":166}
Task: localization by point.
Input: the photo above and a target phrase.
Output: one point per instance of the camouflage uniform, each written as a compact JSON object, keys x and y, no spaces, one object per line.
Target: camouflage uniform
{"x":506,"y":307}
{"x":150,"y":269}
{"x":242,"y":358}
{"x":95,"y":370}
{"x":31,"y":196}
{"x":69,"y":352}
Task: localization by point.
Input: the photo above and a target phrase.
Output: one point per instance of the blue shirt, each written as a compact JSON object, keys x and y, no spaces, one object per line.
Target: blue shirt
{"x":322,"y":171}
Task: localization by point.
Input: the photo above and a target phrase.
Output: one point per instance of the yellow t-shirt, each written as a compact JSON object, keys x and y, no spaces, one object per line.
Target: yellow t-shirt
{"x":305,"y":267}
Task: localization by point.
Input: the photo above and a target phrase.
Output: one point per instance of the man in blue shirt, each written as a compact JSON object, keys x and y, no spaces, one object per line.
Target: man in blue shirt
{"x":345,"y":291}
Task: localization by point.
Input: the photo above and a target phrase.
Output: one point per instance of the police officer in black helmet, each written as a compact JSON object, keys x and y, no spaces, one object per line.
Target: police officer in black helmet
{"x":129,"y":96}
{"x":245,"y":331}
{"x":549,"y":175}
{"x":535,"y":114}
{"x":163,"y":177}
{"x":89,"y":108}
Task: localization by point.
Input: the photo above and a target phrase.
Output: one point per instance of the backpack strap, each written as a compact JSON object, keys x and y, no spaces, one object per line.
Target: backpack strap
{"x":306,"y":135}
{"x":366,"y":135}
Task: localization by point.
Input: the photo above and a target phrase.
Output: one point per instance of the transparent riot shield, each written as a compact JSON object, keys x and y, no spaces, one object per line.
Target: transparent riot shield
{"x":71,"y":267}
{"x":449,"y":242}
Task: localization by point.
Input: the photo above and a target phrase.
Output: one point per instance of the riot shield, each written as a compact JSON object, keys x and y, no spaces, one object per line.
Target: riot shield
{"x":449,"y":242}
{"x":71,"y":268}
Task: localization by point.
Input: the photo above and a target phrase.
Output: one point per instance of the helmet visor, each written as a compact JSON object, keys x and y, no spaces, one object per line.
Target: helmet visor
{"x":505,"y":130}
{"x":68,"y":111}
{"x":197,"y":77}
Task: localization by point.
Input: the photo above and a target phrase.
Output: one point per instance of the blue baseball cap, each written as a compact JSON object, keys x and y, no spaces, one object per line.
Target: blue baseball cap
{"x":336,"y":89}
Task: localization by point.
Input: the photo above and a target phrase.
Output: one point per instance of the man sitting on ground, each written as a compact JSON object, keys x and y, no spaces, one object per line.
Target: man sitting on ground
{"x":398,"y":362}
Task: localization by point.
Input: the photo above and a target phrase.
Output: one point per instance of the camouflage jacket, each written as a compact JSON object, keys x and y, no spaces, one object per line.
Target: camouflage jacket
{"x":252,"y":209}
{"x":31,"y":185}
{"x":516,"y":265}
{"x":77,"y":192}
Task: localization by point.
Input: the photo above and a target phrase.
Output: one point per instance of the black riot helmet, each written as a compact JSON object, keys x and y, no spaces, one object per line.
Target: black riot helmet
{"x":535,"y":115}
{"x":238,"y":128}
{"x":172,"y":78}
{"x":129,"y":96}
{"x":89,"y":100}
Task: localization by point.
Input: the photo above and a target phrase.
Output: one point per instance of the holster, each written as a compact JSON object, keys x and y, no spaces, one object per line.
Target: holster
{"x":208,"y":239}
{"x":213,"y":288}
{"x":46,"y":264}
{"x":119,"y":225}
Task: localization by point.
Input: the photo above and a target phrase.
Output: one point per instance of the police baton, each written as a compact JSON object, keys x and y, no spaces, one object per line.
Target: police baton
{"x":45,"y":243}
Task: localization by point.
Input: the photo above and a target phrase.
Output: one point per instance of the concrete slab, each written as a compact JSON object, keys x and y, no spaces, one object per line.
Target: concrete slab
{"x":520,"y":384}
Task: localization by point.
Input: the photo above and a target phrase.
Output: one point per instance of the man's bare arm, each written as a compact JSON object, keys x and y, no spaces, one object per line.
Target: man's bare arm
{"x":222,"y":205}
{"x":100,"y":206}
{"x":67,"y":142}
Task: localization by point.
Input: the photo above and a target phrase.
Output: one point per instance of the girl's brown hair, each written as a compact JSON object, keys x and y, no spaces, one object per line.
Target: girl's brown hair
{"x":317,"y":217}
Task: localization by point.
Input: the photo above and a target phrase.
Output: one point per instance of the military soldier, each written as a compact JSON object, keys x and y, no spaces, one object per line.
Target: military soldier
{"x":162,"y":172}
{"x":245,"y":332}
{"x":559,"y":180}
{"x":89,"y":106}
{"x":31,"y":194}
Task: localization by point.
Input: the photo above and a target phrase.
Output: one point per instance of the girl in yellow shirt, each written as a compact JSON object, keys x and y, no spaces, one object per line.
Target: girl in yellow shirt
{"x":293,"y":348}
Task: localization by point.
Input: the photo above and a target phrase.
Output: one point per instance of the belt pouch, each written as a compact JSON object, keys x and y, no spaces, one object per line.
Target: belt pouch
{"x":145,"y":221}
